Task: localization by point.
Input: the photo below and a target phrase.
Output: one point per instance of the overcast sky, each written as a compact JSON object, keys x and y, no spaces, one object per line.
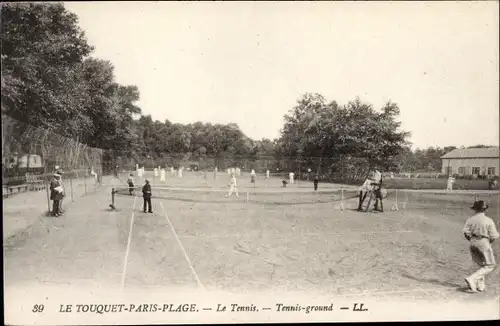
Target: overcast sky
{"x":248,"y":63}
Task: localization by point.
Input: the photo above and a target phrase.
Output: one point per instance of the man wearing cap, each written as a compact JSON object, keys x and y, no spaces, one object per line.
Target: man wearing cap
{"x":56,"y":194}
{"x":480,"y":231}
{"x":146,"y":194}
{"x":59,"y":172}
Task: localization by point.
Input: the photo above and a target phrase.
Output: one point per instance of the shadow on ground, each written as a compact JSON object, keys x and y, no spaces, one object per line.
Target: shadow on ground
{"x":433,"y":281}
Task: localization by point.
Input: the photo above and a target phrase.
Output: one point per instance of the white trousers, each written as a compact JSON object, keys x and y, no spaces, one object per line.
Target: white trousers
{"x":482,"y":254}
{"x":233,"y":189}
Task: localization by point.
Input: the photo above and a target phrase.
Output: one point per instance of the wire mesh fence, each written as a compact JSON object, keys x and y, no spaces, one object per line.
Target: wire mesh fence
{"x":31,"y":155}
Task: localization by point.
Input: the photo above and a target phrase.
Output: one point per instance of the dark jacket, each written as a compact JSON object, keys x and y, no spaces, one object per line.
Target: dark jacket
{"x":54,"y":195}
{"x":146,"y":191}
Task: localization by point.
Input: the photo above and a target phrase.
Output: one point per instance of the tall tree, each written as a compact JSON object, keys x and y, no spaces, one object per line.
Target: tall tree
{"x":42,"y":47}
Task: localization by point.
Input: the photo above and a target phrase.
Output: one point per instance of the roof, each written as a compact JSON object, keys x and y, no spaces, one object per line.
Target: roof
{"x":486,"y":152}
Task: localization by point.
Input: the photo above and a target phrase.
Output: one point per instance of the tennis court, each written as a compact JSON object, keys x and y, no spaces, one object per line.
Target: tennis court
{"x":296,"y":240}
{"x":292,"y":240}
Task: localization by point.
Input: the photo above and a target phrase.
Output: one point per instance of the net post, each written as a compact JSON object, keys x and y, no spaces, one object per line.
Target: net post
{"x":341,"y":199}
{"x":112,"y":198}
{"x":248,"y":197}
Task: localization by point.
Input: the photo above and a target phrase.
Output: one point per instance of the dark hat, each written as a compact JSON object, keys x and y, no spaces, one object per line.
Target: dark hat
{"x":479,"y":206}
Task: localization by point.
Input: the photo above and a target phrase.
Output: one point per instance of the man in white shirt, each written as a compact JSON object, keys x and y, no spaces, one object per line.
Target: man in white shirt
{"x":449,"y":184}
{"x":372,"y":184}
{"x":480,"y":231}
{"x":232,"y":186}
{"x":267,"y":174}
{"x":291,"y":175}
{"x":252,"y":177}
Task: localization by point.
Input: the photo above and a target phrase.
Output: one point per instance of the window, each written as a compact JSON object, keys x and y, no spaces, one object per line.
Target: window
{"x":475,"y":170}
{"x":461,"y":170}
{"x":491,"y":171}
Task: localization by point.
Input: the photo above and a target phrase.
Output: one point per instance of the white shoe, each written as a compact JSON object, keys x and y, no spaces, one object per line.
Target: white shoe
{"x":471,"y":284}
{"x":481,"y":286}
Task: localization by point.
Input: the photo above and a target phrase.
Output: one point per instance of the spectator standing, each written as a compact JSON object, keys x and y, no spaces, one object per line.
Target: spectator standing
{"x":480,"y":231}
{"x":146,"y":194}
{"x":56,"y":194}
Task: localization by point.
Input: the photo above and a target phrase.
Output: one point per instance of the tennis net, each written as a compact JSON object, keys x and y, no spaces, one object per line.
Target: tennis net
{"x":250,"y":195}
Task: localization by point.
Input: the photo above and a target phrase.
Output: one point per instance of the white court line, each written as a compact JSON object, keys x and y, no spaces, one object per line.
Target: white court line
{"x":125,"y":261}
{"x":235,"y":235}
{"x":182,"y":247}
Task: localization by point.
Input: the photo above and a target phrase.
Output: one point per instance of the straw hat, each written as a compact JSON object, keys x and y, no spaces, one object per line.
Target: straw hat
{"x":479,"y":206}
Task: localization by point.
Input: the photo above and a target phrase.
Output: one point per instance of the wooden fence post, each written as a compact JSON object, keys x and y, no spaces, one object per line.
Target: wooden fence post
{"x":85,"y":181}
{"x":47,"y":187}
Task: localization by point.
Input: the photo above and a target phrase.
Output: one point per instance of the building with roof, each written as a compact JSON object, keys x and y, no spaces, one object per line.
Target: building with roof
{"x":471,"y":161}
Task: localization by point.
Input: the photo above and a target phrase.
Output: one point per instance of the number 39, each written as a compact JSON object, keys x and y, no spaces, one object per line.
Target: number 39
{"x":37,"y":308}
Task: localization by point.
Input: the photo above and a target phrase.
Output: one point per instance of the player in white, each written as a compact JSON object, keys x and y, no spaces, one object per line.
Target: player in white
{"x":252,"y":177}
{"x":180,"y":171}
{"x":291,"y":175}
{"x":232,"y":186}
{"x":162,"y":175}
{"x":371,"y":184}
{"x":267,"y":174}
{"x":449,"y":184}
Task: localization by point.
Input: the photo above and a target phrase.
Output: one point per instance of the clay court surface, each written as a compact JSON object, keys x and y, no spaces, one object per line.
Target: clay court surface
{"x":269,"y":238}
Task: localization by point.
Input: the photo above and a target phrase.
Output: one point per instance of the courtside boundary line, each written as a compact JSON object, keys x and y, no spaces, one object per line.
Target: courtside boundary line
{"x":374,"y":293}
{"x":182,"y":247}
{"x":209,"y":236}
{"x":125,"y":261}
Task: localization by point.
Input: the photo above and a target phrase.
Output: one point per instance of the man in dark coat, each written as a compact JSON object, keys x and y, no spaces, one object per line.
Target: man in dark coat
{"x":60,"y":173}
{"x":316,"y":181}
{"x":56,"y":194}
{"x":146,"y":194}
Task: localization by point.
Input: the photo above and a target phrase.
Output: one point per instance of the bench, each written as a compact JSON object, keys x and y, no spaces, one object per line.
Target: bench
{"x":9,"y":190}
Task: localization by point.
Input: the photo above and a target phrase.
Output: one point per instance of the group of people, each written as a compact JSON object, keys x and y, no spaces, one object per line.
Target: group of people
{"x":372,"y":186}
{"x":146,"y":193}
{"x":57,"y":191}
